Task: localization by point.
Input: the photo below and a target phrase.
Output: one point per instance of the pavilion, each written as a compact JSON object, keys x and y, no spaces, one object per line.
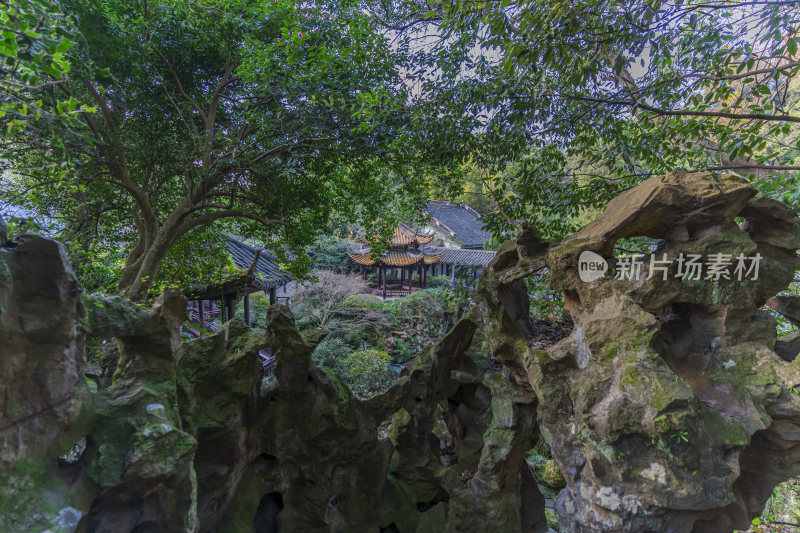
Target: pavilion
{"x":411,"y":252}
{"x":257,"y":270}
{"x":406,"y":255}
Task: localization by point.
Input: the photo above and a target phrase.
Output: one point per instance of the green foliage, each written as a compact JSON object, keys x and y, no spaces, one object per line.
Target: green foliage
{"x":303,"y":323}
{"x":575,"y":102}
{"x":329,"y":252}
{"x":366,"y":372}
{"x":367,"y":301}
{"x":403,"y":351}
{"x":331,"y":353}
{"x":400,"y":327}
{"x":546,"y":304}
{"x":437,"y":282}
{"x":241,"y":116}
{"x":259,"y":304}
{"x":422,"y":306}
{"x":35,"y":37}
{"x":782,"y":506}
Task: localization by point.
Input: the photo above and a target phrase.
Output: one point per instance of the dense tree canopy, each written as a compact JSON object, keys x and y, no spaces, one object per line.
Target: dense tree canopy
{"x":265,"y":115}
{"x":578,"y":100}
{"x":147,"y":129}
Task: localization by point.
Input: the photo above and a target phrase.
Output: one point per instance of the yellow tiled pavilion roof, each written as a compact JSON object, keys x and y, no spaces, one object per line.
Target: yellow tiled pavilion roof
{"x":402,"y":235}
{"x":396,"y":259}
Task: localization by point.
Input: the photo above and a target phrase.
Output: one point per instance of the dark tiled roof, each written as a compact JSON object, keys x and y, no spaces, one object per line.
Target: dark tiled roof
{"x":267,"y":274}
{"x":461,"y":220}
{"x":462,"y":257}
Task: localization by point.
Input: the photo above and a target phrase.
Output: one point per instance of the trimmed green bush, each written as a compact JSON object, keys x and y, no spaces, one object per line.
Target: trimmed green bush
{"x":366,"y":372}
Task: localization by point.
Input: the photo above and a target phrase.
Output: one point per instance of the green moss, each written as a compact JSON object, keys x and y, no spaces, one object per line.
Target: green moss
{"x":723,"y":428}
{"x":31,"y":497}
{"x":629,"y":376}
{"x":244,"y":504}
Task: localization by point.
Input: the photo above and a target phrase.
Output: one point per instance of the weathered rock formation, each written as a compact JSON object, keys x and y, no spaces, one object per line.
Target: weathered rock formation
{"x":672,"y":405}
{"x":42,"y":390}
{"x":192,"y":437}
{"x":667,"y":408}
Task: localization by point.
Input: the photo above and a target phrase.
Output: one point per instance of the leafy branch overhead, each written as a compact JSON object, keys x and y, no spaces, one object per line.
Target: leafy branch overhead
{"x":602,"y":94}
{"x":36,"y":37}
{"x":243,"y":115}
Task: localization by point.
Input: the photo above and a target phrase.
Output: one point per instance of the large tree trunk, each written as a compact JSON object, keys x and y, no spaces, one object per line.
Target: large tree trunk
{"x":138,"y":277}
{"x":153,"y":245}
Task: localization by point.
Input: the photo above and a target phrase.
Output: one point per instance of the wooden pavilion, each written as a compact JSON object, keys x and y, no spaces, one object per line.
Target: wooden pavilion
{"x":258,"y":270}
{"x":406,"y":255}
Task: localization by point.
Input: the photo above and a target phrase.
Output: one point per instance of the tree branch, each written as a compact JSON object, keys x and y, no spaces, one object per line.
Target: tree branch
{"x":206,"y":218}
{"x":179,"y":85}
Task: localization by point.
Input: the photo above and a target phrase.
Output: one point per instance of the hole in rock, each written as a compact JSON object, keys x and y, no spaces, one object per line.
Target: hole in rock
{"x":267,"y":518}
{"x":147,"y":527}
{"x":598,"y":468}
{"x":75,"y":453}
{"x":637,"y":246}
{"x":427,"y":506}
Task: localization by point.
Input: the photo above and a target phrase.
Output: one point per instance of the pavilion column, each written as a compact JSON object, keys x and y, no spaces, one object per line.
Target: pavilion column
{"x":424,"y":276}
{"x":410,"y":278}
{"x":383,"y":279}
{"x":231,"y":305}
{"x":272,"y":296}
{"x":247,"y":309}
{"x":202,"y":315}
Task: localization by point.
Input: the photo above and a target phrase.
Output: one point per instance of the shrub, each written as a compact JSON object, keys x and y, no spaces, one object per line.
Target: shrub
{"x":331,"y":353}
{"x":303,"y":322}
{"x":402,"y":351}
{"x":367,"y":372}
{"x":368,"y":301}
{"x":259,"y":304}
{"x":546,"y":304}
{"x":350,"y":336}
{"x":436,"y":282}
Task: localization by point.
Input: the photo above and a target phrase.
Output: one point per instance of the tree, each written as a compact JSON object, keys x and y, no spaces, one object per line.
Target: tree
{"x":597,"y":95}
{"x":234,"y":114}
{"x":329,"y":252}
